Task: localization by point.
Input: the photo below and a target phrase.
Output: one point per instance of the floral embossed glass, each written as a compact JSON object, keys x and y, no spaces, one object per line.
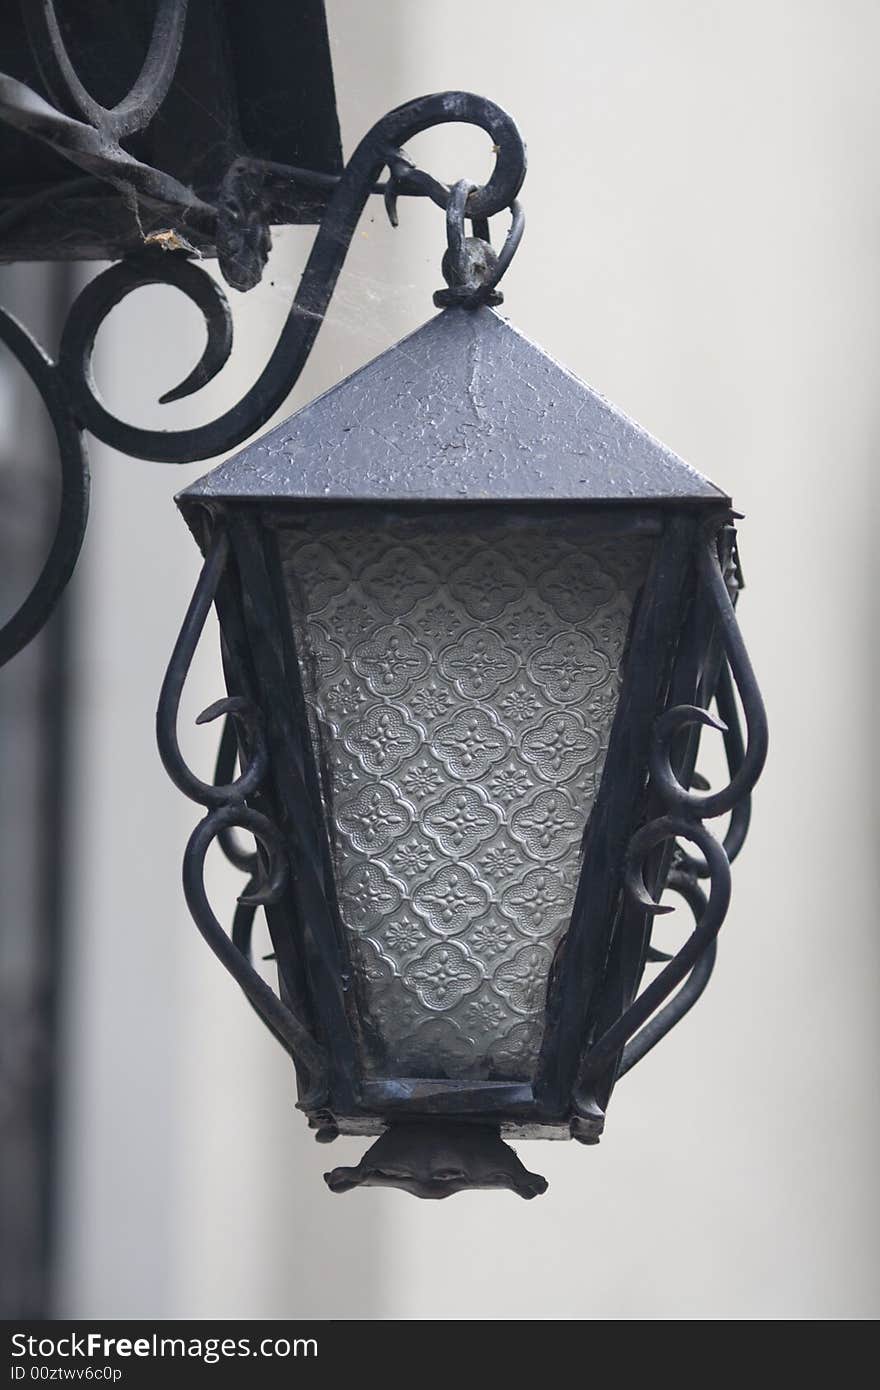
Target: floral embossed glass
{"x":461,"y":677}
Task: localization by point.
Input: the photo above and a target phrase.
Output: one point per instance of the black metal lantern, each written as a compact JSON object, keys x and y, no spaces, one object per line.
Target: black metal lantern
{"x":472,"y":620}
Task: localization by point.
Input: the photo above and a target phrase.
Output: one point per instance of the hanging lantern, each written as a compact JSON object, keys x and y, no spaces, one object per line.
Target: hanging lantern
{"x":472,"y":620}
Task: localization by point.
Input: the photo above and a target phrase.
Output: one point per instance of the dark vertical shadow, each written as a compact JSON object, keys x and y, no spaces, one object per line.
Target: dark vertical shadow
{"x":33,"y":802}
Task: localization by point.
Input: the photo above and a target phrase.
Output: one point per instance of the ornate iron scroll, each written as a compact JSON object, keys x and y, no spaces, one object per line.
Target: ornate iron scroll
{"x":67,"y":387}
{"x":226,"y":810}
{"x":641,"y":1026}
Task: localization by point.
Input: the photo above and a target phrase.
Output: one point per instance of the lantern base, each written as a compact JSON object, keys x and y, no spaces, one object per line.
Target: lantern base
{"x":435,"y":1161}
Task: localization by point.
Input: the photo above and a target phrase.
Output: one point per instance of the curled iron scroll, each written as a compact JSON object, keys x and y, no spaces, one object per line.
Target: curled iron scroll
{"x":705,"y":930}
{"x":685,"y":800}
{"x":225,"y":799}
{"x":83,"y":131}
{"x":687,"y":808}
{"x":656,"y":1028}
{"x":205,"y":793}
{"x":278,"y":1018}
{"x":734,"y":748}
{"x":146,"y":94}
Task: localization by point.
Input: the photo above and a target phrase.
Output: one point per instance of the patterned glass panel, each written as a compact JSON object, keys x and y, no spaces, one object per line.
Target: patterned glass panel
{"x":462,"y":680}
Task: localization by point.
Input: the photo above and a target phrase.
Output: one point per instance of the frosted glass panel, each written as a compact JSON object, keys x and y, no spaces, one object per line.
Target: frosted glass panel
{"x":462,"y":684}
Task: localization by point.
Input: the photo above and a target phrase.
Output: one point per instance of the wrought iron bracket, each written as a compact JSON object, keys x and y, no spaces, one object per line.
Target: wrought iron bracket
{"x":67,"y":386}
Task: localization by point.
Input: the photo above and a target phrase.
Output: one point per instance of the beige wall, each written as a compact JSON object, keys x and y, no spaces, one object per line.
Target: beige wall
{"x":703,"y":246}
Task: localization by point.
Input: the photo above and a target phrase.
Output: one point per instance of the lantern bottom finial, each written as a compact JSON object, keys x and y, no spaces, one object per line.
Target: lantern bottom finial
{"x":437,"y":1160}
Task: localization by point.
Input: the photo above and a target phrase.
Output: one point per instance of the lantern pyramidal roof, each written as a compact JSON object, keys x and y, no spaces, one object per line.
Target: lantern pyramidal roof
{"x":463,"y":409}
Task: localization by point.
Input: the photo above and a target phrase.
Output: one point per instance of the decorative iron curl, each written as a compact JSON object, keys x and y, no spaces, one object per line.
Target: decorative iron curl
{"x":650,"y":836}
{"x":149,"y":267}
{"x":149,"y":89}
{"x":292,"y":1034}
{"x":225,"y":799}
{"x":677,"y":796}
{"x":68,"y":388}
{"x":674,"y":1011}
{"x":636,"y":1032}
{"x":734,"y":749}
{"x":245,"y":714}
{"x":73,"y":508}
{"x":98,"y":155}
{"x":246,"y":861}
{"x":88,"y":134}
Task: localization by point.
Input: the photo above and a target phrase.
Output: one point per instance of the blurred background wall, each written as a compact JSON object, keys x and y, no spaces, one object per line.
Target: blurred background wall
{"x":703,"y":246}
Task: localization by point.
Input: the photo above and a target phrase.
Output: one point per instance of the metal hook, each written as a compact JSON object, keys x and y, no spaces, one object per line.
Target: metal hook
{"x":471,"y":267}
